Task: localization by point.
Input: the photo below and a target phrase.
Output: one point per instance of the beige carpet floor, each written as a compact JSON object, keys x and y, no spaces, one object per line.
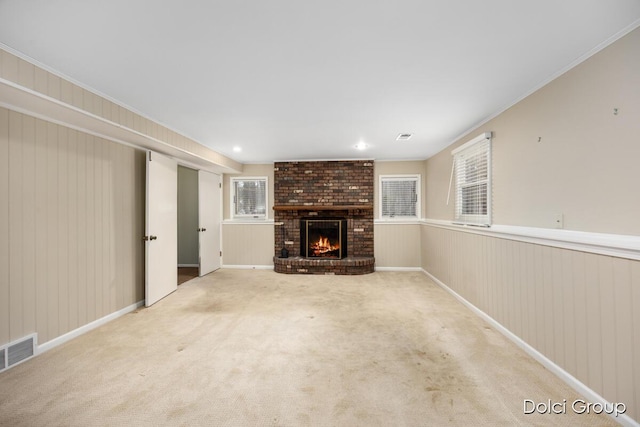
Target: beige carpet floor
{"x":257,"y":348}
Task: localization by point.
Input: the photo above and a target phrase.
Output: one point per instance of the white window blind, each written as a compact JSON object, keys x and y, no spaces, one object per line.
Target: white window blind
{"x":472,"y":165}
{"x":249,"y":197}
{"x":400,"y":196}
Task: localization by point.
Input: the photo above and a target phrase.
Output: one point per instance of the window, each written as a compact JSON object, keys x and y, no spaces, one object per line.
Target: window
{"x":249,"y":197}
{"x":472,"y":166}
{"x":399,"y":196}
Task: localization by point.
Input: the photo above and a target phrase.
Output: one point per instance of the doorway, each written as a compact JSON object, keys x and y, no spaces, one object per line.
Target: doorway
{"x":199,"y":213}
{"x":188,"y":259}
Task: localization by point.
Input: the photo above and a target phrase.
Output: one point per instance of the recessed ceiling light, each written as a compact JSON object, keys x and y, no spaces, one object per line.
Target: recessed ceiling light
{"x":361,"y":146}
{"x":404,"y":137}
{"x":237,"y":149}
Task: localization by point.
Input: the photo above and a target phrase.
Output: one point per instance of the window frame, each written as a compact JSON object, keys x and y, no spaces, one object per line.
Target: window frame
{"x":481,"y":220}
{"x":233,"y":203}
{"x":418,"y":202}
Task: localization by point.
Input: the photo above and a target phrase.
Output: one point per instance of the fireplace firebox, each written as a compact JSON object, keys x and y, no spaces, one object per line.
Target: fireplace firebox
{"x":323,"y":238}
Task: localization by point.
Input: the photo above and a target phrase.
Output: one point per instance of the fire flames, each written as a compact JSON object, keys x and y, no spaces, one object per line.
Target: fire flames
{"x":323,"y":246}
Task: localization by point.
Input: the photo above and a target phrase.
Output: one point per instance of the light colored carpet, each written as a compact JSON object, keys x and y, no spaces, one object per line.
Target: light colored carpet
{"x":257,"y":348}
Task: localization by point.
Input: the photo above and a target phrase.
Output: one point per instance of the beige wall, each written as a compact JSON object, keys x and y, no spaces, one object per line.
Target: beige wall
{"x":397,"y":245}
{"x":248,"y":243}
{"x":25,"y":74}
{"x":580,"y":310}
{"x":72,"y":220}
{"x":248,"y":170}
{"x":585,"y":164}
{"x":398,"y":168}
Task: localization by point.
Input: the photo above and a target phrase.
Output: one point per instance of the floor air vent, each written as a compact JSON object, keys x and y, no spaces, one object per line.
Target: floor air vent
{"x":17,"y":351}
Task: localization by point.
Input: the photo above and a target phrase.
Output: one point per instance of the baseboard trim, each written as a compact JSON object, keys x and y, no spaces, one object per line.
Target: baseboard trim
{"x":569,"y":379}
{"x":248,"y":267}
{"x":399,"y":269}
{"x":86,"y":328}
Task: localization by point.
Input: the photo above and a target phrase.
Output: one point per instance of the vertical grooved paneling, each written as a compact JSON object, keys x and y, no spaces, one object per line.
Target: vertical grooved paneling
{"x":98,"y":249}
{"x":508,"y":302}
{"x":547,"y":277}
{"x":70,"y":204}
{"x":538,"y":284}
{"x":524,"y":296}
{"x":517,"y":287}
{"x":115,"y":113}
{"x":78,"y":96}
{"x":397,"y":245}
{"x":559,"y":304}
{"x":15,"y":230}
{"x":608,"y":325}
{"x":594,"y":323}
{"x":117,"y":296}
{"x":28,"y":198}
{"x":4,"y":225}
{"x":41,"y":80}
{"x":579,"y":274}
{"x":72,"y":230}
{"x":578,"y":309}
{"x":41,"y":225}
{"x":63,"y":230}
{"x":66,"y":92}
{"x":9,"y":68}
{"x":26,"y":74}
{"x":83,"y":231}
{"x":635,"y":338}
{"x":110,"y":230}
{"x":569,"y":314}
{"x":529,"y":276}
{"x":52,"y":276}
{"x":53,"y":86}
{"x":91,"y":227}
{"x":624,"y":363}
{"x":97,"y":105}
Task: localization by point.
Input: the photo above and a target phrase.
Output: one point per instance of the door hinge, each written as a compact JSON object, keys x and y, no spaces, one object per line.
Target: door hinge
{"x":220,"y":184}
{"x":220,"y":253}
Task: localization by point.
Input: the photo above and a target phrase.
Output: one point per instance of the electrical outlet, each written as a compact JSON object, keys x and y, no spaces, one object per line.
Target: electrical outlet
{"x":559,"y":220}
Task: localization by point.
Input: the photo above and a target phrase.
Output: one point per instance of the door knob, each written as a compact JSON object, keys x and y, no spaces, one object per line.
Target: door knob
{"x":153,"y":238}
{"x":204,"y":229}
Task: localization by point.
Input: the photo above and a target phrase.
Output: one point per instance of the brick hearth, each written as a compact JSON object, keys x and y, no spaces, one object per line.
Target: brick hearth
{"x":327,"y":189}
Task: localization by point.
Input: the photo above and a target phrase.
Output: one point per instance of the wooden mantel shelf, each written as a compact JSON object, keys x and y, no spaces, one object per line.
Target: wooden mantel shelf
{"x":320,"y":208}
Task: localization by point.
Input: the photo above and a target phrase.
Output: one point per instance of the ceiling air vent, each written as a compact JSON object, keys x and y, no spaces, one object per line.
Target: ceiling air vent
{"x":404,"y":137}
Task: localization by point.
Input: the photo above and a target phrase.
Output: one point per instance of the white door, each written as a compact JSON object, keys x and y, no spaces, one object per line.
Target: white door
{"x":209,"y":221}
{"x":161,"y":229}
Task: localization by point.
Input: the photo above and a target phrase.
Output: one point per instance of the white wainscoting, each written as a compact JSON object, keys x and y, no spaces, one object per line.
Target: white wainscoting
{"x":396,"y":245}
{"x":578,"y":309}
{"x":247,"y":244}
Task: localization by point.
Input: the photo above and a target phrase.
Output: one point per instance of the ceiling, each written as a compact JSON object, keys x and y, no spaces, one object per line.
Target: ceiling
{"x":299,"y":80}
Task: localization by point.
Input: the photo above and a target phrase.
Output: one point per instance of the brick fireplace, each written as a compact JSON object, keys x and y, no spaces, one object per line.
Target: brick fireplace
{"x":324,"y":191}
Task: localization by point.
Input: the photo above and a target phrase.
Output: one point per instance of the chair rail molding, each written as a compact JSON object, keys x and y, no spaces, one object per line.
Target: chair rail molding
{"x":616,"y":245}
